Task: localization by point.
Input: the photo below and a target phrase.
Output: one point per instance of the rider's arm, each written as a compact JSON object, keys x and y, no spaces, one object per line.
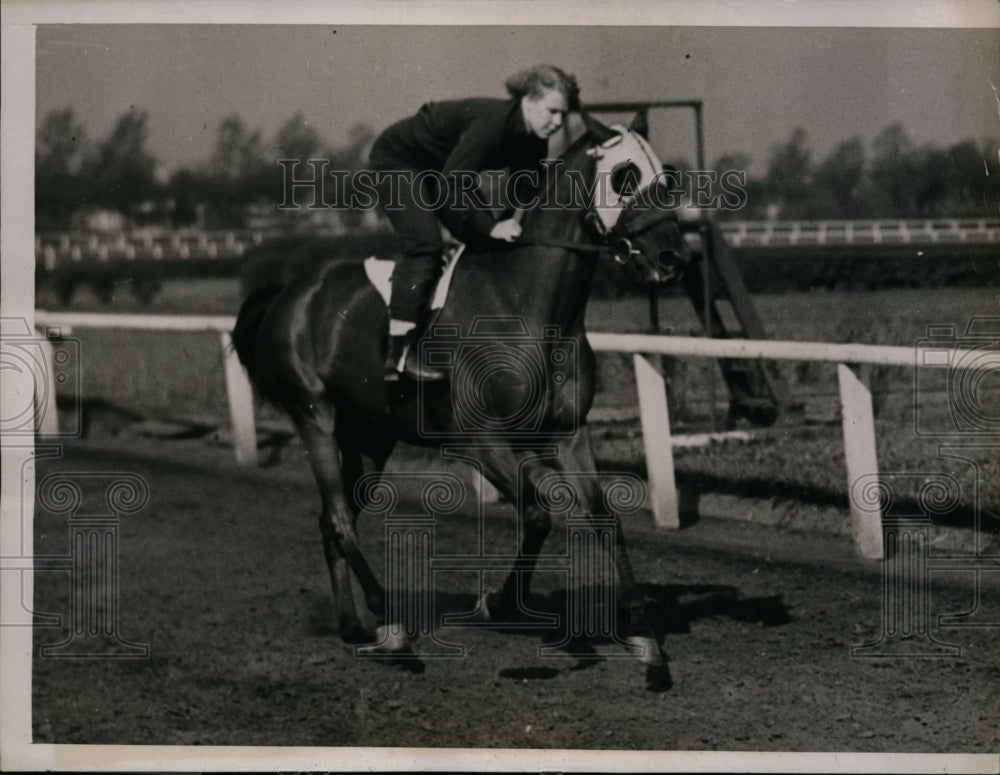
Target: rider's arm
{"x":465,"y":213}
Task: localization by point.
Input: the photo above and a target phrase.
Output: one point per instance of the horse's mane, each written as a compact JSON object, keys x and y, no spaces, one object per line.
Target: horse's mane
{"x":594,"y":132}
{"x":573,"y":148}
{"x":568,"y":159}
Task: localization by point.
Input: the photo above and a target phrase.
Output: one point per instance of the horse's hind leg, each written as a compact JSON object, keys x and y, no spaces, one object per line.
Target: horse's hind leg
{"x":337,"y":523}
{"x":352,"y":470}
{"x":349,"y":625}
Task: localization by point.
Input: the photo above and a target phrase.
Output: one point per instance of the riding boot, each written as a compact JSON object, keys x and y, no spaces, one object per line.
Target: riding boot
{"x":397,"y":347}
{"x":403,"y":359}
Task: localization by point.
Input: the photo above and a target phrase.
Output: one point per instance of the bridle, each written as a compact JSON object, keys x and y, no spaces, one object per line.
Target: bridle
{"x":637,"y":217}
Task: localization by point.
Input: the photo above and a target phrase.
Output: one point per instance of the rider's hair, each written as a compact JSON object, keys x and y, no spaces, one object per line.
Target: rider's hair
{"x":532,"y":81}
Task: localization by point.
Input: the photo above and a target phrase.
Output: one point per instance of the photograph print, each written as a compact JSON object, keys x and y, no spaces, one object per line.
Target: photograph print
{"x":505,"y":389}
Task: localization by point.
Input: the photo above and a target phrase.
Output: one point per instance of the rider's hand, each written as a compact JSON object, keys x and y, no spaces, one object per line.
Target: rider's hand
{"x":508,"y":230}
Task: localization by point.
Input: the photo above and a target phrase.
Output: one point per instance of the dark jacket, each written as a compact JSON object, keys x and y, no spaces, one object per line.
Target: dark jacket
{"x":470,"y":135}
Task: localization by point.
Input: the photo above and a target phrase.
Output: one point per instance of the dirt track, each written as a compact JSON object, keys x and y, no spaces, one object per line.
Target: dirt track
{"x":221,"y":574}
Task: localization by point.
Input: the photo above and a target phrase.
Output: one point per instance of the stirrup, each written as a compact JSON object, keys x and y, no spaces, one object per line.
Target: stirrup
{"x":391,"y":367}
{"x":400,"y":360}
{"x":412,"y":368}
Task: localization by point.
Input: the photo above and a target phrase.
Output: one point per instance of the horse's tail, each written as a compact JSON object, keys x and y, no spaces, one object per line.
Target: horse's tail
{"x":248,"y":323}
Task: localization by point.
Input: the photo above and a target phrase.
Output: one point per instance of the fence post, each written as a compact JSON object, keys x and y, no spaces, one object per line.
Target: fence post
{"x":655,"y":418}
{"x":240,"y":396}
{"x":860,"y":454}
{"x":46,"y":410}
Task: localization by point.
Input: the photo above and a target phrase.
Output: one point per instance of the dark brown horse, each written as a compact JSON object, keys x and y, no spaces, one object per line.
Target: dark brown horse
{"x":316,"y":347}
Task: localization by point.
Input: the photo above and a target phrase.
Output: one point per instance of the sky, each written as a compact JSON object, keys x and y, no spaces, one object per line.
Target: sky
{"x":757,"y":84}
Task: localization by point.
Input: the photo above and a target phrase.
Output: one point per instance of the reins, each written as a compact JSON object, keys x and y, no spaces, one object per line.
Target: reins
{"x":584,"y":247}
{"x":620,"y":250}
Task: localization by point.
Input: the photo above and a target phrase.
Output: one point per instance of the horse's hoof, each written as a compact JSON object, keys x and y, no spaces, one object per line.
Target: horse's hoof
{"x":391,"y":648}
{"x":484,"y":608}
{"x":388,"y":640}
{"x":646,"y":649}
{"x":658,"y":678}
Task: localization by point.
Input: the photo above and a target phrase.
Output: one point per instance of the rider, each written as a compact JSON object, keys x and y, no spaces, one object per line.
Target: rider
{"x":458,"y":139}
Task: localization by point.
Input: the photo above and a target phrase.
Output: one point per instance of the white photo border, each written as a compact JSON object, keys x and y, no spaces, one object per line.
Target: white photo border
{"x":20,"y":20}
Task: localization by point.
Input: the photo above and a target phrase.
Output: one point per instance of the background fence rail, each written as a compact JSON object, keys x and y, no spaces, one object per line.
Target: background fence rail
{"x":856,"y":401}
{"x":56,"y":249}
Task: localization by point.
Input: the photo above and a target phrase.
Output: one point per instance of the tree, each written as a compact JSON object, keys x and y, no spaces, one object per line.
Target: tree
{"x":187,"y":189}
{"x":892,"y":172}
{"x":729,"y":165}
{"x":237,"y":152}
{"x":296,"y":139}
{"x":930,"y":182}
{"x":236,"y":172}
{"x":123,"y":171}
{"x":991,"y":170}
{"x":346,"y":160}
{"x":841,"y":176}
{"x":359,"y":138}
{"x":61,"y":144}
{"x":969,"y":175}
{"x":61,"y":149}
{"x":789,"y":173}
{"x":299,"y":142}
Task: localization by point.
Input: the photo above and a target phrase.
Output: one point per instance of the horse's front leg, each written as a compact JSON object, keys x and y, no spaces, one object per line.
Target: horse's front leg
{"x":577,"y":459}
{"x":516,"y":475}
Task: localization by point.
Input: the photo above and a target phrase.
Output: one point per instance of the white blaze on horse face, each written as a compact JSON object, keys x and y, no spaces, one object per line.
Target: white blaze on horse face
{"x":625,"y":162}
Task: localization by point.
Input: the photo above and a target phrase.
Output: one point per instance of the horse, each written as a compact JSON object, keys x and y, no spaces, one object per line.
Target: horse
{"x":315,"y":347}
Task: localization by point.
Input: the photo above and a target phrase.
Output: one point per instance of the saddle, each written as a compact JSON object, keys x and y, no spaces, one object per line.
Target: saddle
{"x":379,"y":271}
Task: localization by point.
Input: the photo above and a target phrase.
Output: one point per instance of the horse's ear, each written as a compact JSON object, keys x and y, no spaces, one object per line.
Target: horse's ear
{"x":640,"y":124}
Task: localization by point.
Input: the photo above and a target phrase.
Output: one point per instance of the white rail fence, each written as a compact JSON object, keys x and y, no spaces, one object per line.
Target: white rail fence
{"x":59,"y":248}
{"x":949,"y":231}
{"x":855,"y":398}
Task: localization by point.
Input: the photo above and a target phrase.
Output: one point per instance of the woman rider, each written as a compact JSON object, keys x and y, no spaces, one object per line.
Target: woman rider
{"x":458,"y":139}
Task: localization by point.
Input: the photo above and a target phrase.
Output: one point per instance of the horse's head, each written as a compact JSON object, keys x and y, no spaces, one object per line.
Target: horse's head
{"x":631,"y":209}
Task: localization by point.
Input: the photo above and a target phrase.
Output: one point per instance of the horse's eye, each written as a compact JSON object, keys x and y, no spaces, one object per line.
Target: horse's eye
{"x":625,"y":179}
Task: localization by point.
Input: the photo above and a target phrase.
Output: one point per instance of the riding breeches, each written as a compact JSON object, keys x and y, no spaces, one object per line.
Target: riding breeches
{"x":417,"y":226}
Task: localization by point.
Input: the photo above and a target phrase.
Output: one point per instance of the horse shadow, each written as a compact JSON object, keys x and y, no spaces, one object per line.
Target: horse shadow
{"x":548,"y":619}
{"x":670,"y":609}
